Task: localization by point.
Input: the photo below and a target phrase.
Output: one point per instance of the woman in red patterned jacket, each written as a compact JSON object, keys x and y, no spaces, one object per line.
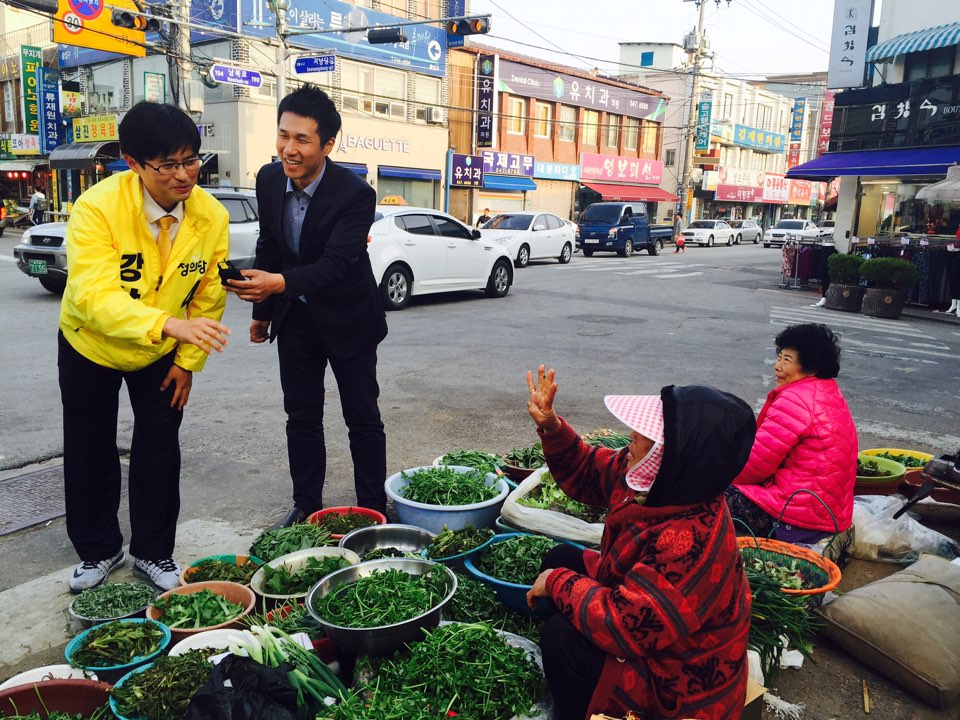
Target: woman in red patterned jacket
{"x":657,"y":621}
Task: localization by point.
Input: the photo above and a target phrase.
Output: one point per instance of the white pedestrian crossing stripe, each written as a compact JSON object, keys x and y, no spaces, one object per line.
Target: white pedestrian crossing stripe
{"x":660,"y":269}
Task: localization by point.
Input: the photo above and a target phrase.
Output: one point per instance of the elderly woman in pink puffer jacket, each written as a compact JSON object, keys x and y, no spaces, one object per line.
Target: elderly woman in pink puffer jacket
{"x":806,"y":440}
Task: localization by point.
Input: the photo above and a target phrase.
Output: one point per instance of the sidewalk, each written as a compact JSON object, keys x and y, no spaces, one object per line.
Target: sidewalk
{"x":918,"y":313}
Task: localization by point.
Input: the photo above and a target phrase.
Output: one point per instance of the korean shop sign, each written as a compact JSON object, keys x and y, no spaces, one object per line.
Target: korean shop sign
{"x":615,"y":168}
{"x":48,"y":80}
{"x":96,"y":128}
{"x":776,"y":189}
{"x":30,"y":59}
{"x":466,"y":171}
{"x":826,"y":122}
{"x":924,"y":113}
{"x":848,"y":43}
{"x":757,"y":139}
{"x":501,"y":163}
{"x":486,"y":129}
{"x":796,"y":120}
{"x":703,"y":125}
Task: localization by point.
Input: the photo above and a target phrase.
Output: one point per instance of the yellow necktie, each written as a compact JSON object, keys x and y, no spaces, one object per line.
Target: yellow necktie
{"x":164,"y":241}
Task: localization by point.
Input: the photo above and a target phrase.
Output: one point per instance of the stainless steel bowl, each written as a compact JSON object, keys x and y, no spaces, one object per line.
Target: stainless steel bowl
{"x":385,"y":639}
{"x":408,"y":538}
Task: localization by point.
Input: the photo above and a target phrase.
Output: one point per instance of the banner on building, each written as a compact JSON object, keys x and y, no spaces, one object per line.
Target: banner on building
{"x":757,"y":139}
{"x":30,"y":59}
{"x":776,"y":189}
{"x":503,"y":163}
{"x":848,"y":43}
{"x":616,"y":168}
{"x":738,"y":193}
{"x":51,"y":126}
{"x":556,"y":171}
{"x":793,"y":158}
{"x":796,"y":120}
{"x":703,"y":125}
{"x":14,"y":145}
{"x":800,"y":192}
{"x":826,"y":122}
{"x":486,"y":125}
{"x":96,"y":128}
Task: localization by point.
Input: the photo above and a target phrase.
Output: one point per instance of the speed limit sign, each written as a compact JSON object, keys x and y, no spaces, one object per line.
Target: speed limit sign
{"x":72,"y":23}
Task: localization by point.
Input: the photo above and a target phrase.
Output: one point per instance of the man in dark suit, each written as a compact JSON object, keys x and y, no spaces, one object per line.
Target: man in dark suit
{"x":314,"y":292}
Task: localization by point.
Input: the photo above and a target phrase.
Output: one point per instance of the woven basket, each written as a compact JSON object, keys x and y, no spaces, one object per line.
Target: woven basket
{"x":815,"y":570}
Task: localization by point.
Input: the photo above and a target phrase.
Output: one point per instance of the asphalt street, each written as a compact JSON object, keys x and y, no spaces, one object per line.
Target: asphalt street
{"x":452,"y":376}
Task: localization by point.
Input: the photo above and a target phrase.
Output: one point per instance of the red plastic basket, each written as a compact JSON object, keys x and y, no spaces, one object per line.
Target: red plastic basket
{"x":315,"y":518}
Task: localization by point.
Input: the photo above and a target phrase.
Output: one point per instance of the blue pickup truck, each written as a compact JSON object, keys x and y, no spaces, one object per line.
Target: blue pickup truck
{"x":620,"y":227}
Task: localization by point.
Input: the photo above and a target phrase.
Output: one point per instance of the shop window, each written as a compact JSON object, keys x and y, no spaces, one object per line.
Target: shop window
{"x":543,"y":113}
{"x":631,"y":133}
{"x":417,"y":193}
{"x":727,"y":107}
{"x":648,"y":137}
{"x":591,"y":127}
{"x":373,"y":91}
{"x":613,"y":130}
{"x":670,"y":158}
{"x":357,"y":87}
{"x":391,"y":94}
{"x":929,"y":64}
{"x":764,"y":116}
{"x":427,"y":94}
{"x":516,"y":116}
{"x":568,"y":123}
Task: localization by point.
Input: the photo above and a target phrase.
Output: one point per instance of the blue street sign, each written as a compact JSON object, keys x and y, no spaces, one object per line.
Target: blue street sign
{"x":236,"y":76}
{"x":315,"y":63}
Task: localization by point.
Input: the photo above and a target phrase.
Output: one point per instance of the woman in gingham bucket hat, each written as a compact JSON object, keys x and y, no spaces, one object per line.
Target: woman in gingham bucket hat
{"x":656,"y":622}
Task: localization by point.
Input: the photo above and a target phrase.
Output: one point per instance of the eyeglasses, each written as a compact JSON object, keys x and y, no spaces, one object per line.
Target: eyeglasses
{"x":170,"y":168}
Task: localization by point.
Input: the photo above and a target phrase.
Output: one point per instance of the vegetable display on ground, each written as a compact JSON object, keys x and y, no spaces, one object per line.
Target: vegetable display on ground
{"x":528,"y":458}
{"x":196,"y":610}
{"x":445,"y":486}
{"x":549,"y":496}
{"x":906,"y":460}
{"x":112,"y":600}
{"x":869,"y":468}
{"x":389,"y":552}
{"x":273,"y":543}
{"x":475,"y":601}
{"x":342,"y":523}
{"x":163,"y":691}
{"x":384,"y":597}
{"x":117,"y":643}
{"x":602,"y":437}
{"x":786,"y":574}
{"x":456,"y":542}
{"x":483,"y":461}
{"x":290,"y":618}
{"x":208,"y":570}
{"x":516,"y":559}
{"x":281,"y":580}
{"x":99,"y":714}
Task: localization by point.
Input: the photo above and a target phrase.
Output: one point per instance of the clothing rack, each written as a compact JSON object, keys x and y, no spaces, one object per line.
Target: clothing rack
{"x":936,"y":270}
{"x":790,"y":267}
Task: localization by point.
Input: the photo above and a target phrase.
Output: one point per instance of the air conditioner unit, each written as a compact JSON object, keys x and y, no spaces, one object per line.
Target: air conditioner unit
{"x":434,"y":115}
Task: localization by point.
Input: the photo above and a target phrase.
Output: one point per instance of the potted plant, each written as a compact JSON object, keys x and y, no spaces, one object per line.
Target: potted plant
{"x":844,"y":292}
{"x":889,"y":279}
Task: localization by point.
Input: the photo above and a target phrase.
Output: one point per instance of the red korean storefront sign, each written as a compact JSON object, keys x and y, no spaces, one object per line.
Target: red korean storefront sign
{"x":799,"y":192}
{"x":738,"y":193}
{"x":619,"y":169}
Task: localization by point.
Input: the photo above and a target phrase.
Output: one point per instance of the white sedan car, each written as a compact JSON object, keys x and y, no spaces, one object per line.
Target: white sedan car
{"x":419,"y":251}
{"x":747,"y":230}
{"x":709,"y":232}
{"x":791,"y":230}
{"x":532,"y":236}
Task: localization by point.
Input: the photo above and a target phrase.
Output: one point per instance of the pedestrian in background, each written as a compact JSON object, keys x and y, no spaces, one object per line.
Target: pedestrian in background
{"x":38,"y":202}
{"x":681,"y":244}
{"x":142,"y":307}
{"x":483,"y":219}
{"x":314,"y":292}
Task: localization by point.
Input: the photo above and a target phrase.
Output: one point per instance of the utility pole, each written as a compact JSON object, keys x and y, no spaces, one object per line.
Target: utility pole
{"x":684,"y":184}
{"x":181,"y":67}
{"x":280,"y":8}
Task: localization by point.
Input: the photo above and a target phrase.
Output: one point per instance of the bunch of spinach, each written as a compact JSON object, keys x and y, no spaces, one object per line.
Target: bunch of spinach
{"x":602,"y":437}
{"x":101,"y":713}
{"x":528,"y":458}
{"x":475,"y":601}
{"x":445,"y":486}
{"x":208,"y":570}
{"x":483,"y":461}
{"x":516,"y":559}
{"x":163,"y":691}
{"x":448,"y":542}
{"x":274,"y":543}
{"x":117,"y":643}
{"x":384,"y":597}
{"x":196,"y":610}
{"x":549,"y":496}
{"x":112,"y":600}
{"x":281,"y":580}
{"x":342,"y":523}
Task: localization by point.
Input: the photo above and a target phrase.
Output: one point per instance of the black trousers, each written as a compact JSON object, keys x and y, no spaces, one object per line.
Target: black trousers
{"x":91,"y":463}
{"x":303,"y":361}
{"x":571,"y":663}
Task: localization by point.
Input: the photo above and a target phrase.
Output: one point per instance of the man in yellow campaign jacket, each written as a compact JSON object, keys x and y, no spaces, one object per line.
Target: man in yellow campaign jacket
{"x":142,"y":306}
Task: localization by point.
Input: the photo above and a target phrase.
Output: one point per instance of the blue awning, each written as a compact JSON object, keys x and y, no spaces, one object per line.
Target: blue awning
{"x":508,"y":182}
{"x":358,"y":168}
{"x":928,"y":39}
{"x":409,"y":173}
{"x":905,"y":162}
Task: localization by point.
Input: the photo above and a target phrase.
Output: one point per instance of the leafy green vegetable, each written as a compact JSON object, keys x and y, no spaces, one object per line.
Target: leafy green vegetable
{"x":483,"y":461}
{"x":342,"y":523}
{"x":529,"y":458}
{"x":101,"y":713}
{"x":776,"y":615}
{"x":456,"y":542}
{"x":163,"y":691}
{"x":388,"y":552}
{"x":549,"y":496}
{"x":475,"y":601}
{"x":786,"y":575}
{"x":602,"y":437}
{"x":117,"y":643}
{"x":112,"y":600}
{"x":445,"y":486}
{"x":291,"y":618}
{"x":384,"y":597}
{"x":516,"y":559}
{"x":905,"y":460}
{"x":197,"y":610}
{"x":219,"y":570}
{"x":274,"y":543}
{"x":870,"y":468}
{"x":284,"y":581}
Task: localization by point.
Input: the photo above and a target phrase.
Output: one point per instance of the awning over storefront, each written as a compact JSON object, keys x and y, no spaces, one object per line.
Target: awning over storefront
{"x":116,"y":166}
{"x":633,"y":193}
{"x":20,"y":165}
{"x":82,"y":156}
{"x":409,"y":173}
{"x":948,"y":189}
{"x":508,"y":182}
{"x":927,"y":39}
{"x":358,"y":168}
{"x":906,"y":162}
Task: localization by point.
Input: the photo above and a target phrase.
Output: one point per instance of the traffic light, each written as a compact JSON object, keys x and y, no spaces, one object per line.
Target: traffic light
{"x":132,"y":21}
{"x":386,"y":36}
{"x":469,"y":26}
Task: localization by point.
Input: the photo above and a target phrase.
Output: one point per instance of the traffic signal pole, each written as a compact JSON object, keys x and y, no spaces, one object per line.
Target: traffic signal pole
{"x":684,"y":186}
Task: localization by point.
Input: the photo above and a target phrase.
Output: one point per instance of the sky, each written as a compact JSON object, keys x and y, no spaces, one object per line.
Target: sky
{"x":750,"y":38}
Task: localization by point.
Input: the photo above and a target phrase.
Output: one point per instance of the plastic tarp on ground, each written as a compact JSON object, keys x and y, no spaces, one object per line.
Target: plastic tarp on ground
{"x":547,"y":522}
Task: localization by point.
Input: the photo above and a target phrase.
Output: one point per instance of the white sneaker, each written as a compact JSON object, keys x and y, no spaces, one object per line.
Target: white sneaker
{"x":91,"y":573}
{"x":820,"y":303}
{"x":163,"y":574}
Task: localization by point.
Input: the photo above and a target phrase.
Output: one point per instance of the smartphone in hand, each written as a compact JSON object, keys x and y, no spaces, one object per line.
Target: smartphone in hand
{"x":229,"y":272}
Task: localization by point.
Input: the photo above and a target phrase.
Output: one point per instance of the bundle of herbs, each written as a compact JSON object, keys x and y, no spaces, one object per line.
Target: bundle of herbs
{"x":516,"y":559}
{"x":906,"y":460}
{"x":388,"y":552}
{"x":197,"y":610}
{"x":602,"y":437}
{"x":870,"y":468}
{"x":528,"y":458}
{"x":342,"y":523}
{"x":548,"y":496}
{"x":449,"y":543}
{"x":213,"y":569}
{"x":371,"y":705}
{"x":271,"y":544}
{"x":281,"y":580}
{"x":445,"y":486}
{"x":483,"y":461}
{"x":117,"y":643}
{"x":775,"y":618}
{"x":291,"y":618}
{"x":786,"y":574}
{"x":101,"y":713}
{"x":112,"y":600}
{"x":475,"y":601}
{"x":466,"y":669}
{"x":384,"y":597}
{"x":163,"y":691}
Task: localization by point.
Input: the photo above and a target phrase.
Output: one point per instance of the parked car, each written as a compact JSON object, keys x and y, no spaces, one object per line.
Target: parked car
{"x":826,"y":229}
{"x":621,"y":228}
{"x":532,"y":236}
{"x":709,"y":232}
{"x":42,"y":252}
{"x":746,"y":230}
{"x":790,"y":230}
{"x":419,"y":251}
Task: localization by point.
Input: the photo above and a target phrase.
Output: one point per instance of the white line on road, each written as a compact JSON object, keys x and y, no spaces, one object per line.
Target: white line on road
{"x":906,"y":434}
{"x":931,"y":345}
{"x":676,"y":275}
{"x":848,"y":318}
{"x":842,"y":322}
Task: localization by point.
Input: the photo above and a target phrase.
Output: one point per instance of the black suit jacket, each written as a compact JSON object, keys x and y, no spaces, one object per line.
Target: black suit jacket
{"x":333,"y":269}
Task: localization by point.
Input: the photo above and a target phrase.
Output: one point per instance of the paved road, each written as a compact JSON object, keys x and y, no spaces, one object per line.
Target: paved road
{"x":452,"y":376}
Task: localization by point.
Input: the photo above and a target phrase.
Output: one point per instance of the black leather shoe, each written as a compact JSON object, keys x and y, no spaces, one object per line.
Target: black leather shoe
{"x":296,"y":515}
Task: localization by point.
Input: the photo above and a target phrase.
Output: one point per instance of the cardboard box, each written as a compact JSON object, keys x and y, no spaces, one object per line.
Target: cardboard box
{"x":752,"y":707}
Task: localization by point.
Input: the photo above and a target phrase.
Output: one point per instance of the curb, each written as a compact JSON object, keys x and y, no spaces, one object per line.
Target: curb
{"x":940,"y":317}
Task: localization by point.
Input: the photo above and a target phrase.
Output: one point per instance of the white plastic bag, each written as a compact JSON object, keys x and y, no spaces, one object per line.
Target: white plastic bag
{"x":881,"y":538}
{"x":547,"y":522}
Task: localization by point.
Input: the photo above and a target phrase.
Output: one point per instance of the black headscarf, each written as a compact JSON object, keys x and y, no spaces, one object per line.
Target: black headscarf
{"x":707,"y":438}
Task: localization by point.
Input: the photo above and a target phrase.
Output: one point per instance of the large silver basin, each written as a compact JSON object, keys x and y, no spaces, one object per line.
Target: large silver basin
{"x":385,"y":639}
{"x":408,"y":538}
